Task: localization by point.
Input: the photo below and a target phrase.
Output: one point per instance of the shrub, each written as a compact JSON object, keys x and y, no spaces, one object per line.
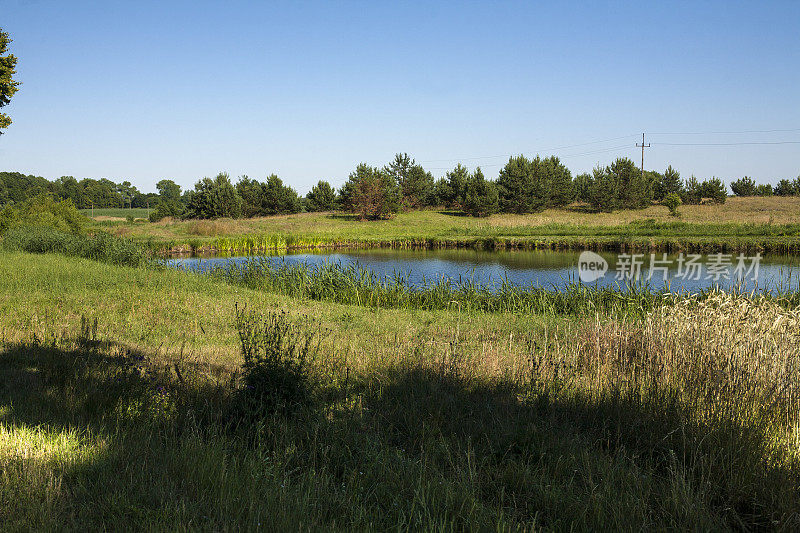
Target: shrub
{"x":672,"y":201}
{"x":167,"y":208}
{"x":102,"y":246}
{"x":765,"y":189}
{"x":787,"y":188}
{"x":744,"y":187}
{"x":43,"y":211}
{"x":277,"y":353}
{"x":714,"y":190}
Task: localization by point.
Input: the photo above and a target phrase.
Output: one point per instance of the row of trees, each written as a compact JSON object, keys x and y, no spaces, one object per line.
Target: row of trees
{"x":523,"y":186}
{"x":16,"y":187}
{"x":746,"y":186}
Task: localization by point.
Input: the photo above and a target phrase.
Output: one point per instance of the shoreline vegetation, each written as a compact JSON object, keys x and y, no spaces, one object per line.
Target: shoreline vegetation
{"x":767,"y":225}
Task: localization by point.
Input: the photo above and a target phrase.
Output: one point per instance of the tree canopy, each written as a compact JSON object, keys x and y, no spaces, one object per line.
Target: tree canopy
{"x":8,"y":86}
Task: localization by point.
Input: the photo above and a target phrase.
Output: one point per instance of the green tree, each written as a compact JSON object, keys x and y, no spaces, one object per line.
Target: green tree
{"x":765,"y":189}
{"x":602,"y":192}
{"x":416,"y":185}
{"x":523,"y":185}
{"x":669,"y":183}
{"x":252,"y":195}
{"x":321,"y":197}
{"x":582,"y":183}
{"x":786,"y":188}
{"x":745,"y":186}
{"x":215,"y":198}
{"x":715,"y":190}
{"x":442,"y":193}
{"x":456,"y":187}
{"x":692,"y":192}
{"x":633,"y":189}
{"x":562,"y":187}
{"x":7,"y":84}
{"x":371,"y":193}
{"x":279,"y":199}
{"x":168,"y":190}
{"x":481,"y":198}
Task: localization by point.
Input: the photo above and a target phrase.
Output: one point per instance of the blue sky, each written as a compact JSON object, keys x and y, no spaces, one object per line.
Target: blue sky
{"x":149,"y":90}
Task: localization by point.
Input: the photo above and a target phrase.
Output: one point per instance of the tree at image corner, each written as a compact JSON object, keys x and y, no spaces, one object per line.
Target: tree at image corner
{"x":7,"y":84}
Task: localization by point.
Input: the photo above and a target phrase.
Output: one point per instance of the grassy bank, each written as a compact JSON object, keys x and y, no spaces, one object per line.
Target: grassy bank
{"x":741,"y":224}
{"x":118,"y":388}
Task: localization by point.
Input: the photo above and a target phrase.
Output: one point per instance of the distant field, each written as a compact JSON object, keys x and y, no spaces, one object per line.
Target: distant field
{"x":117,"y":212}
{"x":752,"y":223}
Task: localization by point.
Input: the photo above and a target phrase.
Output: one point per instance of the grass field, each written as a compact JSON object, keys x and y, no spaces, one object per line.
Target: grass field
{"x":117,"y":386}
{"x":769,"y":224}
{"x":116,"y":213}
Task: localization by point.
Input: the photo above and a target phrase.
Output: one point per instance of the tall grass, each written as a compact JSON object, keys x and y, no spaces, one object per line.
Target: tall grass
{"x":683,"y":420}
{"x":101,"y":246}
{"x":355,"y":285}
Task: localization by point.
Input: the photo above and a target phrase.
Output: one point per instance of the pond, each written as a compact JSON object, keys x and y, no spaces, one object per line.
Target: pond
{"x":551,"y":269}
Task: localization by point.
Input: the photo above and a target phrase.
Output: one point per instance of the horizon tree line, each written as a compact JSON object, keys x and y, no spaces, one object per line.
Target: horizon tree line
{"x":523,"y":185}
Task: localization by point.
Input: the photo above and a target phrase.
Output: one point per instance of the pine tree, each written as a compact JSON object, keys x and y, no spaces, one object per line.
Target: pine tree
{"x":562,"y":188}
{"x":321,"y":197}
{"x":523,"y":185}
{"x":480,"y":197}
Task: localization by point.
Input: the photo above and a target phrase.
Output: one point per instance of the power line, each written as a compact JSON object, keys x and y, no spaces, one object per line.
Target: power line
{"x":721,"y":132}
{"x":727,"y":144}
{"x":606,"y":150}
{"x":537,"y":151}
{"x":593,"y":152}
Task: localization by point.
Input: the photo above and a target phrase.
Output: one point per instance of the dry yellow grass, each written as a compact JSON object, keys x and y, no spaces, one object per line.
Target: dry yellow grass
{"x":433,"y":224}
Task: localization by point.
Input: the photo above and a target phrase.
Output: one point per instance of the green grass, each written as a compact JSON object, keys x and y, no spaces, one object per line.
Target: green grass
{"x":117,"y":212}
{"x":742,"y":224}
{"x":435,"y":419}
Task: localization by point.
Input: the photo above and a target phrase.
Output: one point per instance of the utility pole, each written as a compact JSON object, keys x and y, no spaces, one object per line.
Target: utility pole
{"x":643,"y":146}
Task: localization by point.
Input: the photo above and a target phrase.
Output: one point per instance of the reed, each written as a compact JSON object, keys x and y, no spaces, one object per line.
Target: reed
{"x":354,"y":285}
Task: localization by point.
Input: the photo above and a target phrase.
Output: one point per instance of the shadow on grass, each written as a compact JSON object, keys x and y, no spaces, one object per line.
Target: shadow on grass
{"x":425,"y":446}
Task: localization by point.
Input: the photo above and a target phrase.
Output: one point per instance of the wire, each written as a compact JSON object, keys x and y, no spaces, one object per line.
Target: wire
{"x":719,"y":132}
{"x":726,"y":144}
{"x":536,"y":151}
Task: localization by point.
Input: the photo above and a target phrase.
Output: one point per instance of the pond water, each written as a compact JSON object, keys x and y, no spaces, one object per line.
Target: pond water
{"x":550,"y":269}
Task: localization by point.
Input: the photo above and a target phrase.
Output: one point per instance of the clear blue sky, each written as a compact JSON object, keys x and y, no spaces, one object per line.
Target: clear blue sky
{"x":149,"y":90}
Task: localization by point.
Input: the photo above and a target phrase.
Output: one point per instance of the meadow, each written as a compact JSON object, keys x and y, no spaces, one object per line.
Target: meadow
{"x":116,"y":213}
{"x":121,"y":402}
{"x":741,"y":224}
